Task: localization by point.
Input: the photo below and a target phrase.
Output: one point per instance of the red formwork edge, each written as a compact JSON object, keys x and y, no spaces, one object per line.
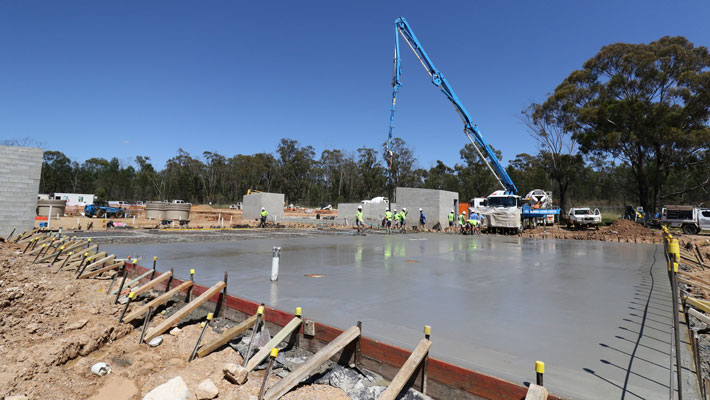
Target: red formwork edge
{"x":463,"y":383}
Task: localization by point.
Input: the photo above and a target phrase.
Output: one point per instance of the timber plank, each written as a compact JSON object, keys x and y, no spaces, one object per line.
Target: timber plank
{"x":102,"y":270}
{"x":153,"y":283}
{"x":294,"y":378}
{"x":158,"y":301}
{"x":278,"y":338}
{"x":536,"y":392}
{"x":226,"y":336}
{"x":405,"y":373}
{"x":182,"y":313}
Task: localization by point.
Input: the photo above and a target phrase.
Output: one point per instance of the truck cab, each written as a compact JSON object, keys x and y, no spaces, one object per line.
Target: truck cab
{"x":582,"y":217}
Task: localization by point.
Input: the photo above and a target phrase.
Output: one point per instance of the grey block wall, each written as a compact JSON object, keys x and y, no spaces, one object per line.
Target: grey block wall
{"x":20,"y":170}
{"x":437,"y":204}
{"x":371,"y":213}
{"x":273,"y":202}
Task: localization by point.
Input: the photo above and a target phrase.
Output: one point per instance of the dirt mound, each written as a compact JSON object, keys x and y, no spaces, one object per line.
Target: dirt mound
{"x":621,"y":230}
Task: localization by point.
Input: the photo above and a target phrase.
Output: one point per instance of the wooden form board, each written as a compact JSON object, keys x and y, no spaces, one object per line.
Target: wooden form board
{"x":445,"y":380}
{"x":158,"y":301}
{"x":699,"y":304}
{"x":182,"y":313}
{"x":260,"y":356}
{"x":54,"y":253}
{"x":690,"y":276}
{"x":153,"y":283}
{"x":407,"y":370}
{"x":696,"y":284}
{"x":697,"y":314}
{"x":102,"y":270}
{"x":302,"y":372}
{"x":132,"y":282}
{"x":225,"y":337}
{"x":100,"y":261}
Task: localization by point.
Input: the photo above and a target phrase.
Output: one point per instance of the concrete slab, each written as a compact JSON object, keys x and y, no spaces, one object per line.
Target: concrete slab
{"x":597,"y":313}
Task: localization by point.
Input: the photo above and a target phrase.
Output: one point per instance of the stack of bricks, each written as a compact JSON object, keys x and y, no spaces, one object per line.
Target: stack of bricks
{"x":20,"y":170}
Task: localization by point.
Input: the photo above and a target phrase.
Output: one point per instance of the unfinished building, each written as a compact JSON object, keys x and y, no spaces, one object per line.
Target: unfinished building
{"x":372,"y":213}
{"x":20,"y":170}
{"x":437,"y":204}
{"x":272,"y":202}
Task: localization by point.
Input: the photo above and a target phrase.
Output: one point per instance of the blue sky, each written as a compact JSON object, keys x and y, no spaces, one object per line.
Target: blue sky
{"x":127,"y":78}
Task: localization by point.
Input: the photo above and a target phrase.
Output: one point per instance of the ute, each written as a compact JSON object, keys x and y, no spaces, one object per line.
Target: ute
{"x":102,"y":209}
{"x":691,"y":219}
{"x":583,"y":217}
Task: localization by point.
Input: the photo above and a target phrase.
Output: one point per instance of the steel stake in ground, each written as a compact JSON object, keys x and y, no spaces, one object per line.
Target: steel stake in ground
{"x":123,"y":282}
{"x":674,"y":255}
{"x":199,"y":339}
{"x":539,"y":371}
{"x":259,"y":314}
{"x":146,"y":321}
{"x":65,"y":261}
{"x":272,"y":357}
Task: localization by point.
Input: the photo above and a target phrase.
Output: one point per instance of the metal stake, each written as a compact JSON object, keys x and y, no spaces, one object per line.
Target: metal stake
{"x":199,"y":339}
{"x":11,"y":233}
{"x":427,"y":335}
{"x":272,"y":357}
{"x":539,"y":371}
{"x":65,"y":261}
{"x":123,"y":282}
{"x":128,"y":303}
{"x":259,"y":313}
{"x":146,"y":321}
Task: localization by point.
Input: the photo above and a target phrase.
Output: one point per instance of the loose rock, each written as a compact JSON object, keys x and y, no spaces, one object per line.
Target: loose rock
{"x":174,"y":389}
{"x":207,"y":390}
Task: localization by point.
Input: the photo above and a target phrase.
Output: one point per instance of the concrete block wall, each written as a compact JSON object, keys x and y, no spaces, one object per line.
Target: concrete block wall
{"x":273,"y":202}
{"x":436,"y":204}
{"x":20,"y":171}
{"x":371,"y":213}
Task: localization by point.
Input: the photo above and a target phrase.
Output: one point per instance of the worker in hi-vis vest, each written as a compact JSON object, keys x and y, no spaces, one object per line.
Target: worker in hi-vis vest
{"x":263,"y":214}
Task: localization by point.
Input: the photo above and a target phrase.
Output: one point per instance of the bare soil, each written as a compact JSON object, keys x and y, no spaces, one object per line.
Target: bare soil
{"x":621,"y":230}
{"x":53,"y":328}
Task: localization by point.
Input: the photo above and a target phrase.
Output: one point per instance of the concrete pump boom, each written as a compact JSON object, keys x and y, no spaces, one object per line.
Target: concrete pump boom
{"x":470,"y":129}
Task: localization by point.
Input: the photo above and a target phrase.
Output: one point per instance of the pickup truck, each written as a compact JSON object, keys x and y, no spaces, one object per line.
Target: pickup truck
{"x":690,"y":219}
{"x":583,"y":217}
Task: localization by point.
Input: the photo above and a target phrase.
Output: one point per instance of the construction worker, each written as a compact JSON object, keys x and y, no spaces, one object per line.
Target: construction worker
{"x":397,"y":217}
{"x":388,"y":220}
{"x":263,"y":214}
{"x":359,"y":224}
{"x":472,"y":225}
{"x":422,"y":219}
{"x":403,"y":220}
{"x":462,"y":222}
{"x":452,"y":216}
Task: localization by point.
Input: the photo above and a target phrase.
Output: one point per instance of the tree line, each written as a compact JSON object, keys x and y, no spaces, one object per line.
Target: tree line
{"x":629,"y":127}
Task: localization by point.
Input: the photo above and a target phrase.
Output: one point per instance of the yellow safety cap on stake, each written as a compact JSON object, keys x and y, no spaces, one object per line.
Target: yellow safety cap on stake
{"x":675,"y":267}
{"x":274,"y":352}
{"x":260,"y":310}
{"x":155,"y":258}
{"x":86,"y":254}
{"x":539,"y":367}
{"x":131,"y":295}
{"x":202,"y":324}
{"x":71,"y":252}
{"x":89,"y":259}
{"x":192,"y":272}
{"x":673,"y":247}
{"x":44,"y":245}
{"x":298,"y":310}
{"x":61,"y":248}
{"x":427,"y":330}
{"x":210,"y":316}
{"x":88,"y":240}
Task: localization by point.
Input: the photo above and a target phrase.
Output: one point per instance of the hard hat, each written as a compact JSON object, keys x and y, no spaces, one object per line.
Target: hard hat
{"x":395,"y":209}
{"x":452,"y":210}
{"x":404,"y":208}
{"x":359,"y":207}
{"x":463,"y":212}
{"x":262,"y":209}
{"x":421,"y":209}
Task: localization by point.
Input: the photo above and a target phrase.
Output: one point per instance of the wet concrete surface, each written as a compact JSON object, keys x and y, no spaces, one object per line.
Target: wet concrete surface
{"x":598,"y":314}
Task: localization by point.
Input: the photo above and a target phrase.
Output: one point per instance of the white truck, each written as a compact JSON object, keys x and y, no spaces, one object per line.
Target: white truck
{"x":582,"y":217}
{"x":691,"y":219}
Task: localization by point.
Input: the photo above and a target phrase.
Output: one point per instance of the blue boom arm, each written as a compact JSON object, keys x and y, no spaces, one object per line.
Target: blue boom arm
{"x":438,"y":79}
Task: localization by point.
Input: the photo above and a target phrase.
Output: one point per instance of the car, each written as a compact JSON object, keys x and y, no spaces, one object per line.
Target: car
{"x":582,"y":217}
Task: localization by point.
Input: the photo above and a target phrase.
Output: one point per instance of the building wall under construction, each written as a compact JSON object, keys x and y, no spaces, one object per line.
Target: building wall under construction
{"x":272,"y":202}
{"x":20,"y":170}
{"x":372,"y":213}
{"x":437,"y":204}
